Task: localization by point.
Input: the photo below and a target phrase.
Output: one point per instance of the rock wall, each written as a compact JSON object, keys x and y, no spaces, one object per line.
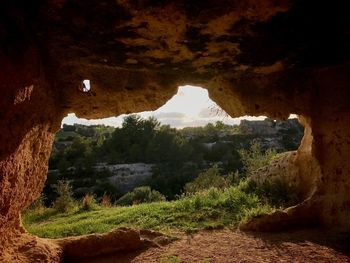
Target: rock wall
{"x":255,"y":58}
{"x":26,"y":139}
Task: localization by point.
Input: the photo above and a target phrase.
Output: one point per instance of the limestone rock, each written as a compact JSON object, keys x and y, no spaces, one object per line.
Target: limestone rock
{"x":255,"y":57}
{"x":119,"y":240}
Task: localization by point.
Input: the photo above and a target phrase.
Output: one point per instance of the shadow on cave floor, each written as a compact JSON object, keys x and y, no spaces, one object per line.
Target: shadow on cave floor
{"x":117,"y":257}
{"x":308,"y":245}
{"x":337,"y":240}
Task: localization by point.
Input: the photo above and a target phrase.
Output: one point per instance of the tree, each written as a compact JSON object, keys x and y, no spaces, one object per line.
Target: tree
{"x":170,"y":178}
{"x":64,"y":202}
{"x":210,"y":132}
{"x":63,"y":165}
{"x":206,"y":180}
{"x":219,"y":125}
{"x":68,"y":128}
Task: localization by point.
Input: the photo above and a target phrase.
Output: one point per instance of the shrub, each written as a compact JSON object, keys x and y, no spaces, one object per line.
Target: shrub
{"x":206,"y":180}
{"x":39,"y":204}
{"x":139,"y":195}
{"x":125,"y":200}
{"x":254,"y":212}
{"x":239,"y":204}
{"x":233,"y":178}
{"x":274,"y":191}
{"x":65,"y":201}
{"x":89,"y":202}
{"x":278,"y":192}
{"x":255,"y":158}
{"x":106,"y":200}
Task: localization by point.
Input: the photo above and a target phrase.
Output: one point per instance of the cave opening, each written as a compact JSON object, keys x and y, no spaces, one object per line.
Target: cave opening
{"x":187,"y":146}
{"x":256,"y":57}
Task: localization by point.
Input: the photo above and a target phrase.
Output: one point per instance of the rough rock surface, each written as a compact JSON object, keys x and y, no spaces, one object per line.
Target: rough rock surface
{"x":255,"y":57}
{"x":119,"y":240}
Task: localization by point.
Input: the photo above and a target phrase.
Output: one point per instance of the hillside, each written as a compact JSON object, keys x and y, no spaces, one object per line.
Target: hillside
{"x":101,"y":159}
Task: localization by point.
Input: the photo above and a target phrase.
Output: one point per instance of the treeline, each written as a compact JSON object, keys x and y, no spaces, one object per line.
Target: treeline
{"x":179,"y":155}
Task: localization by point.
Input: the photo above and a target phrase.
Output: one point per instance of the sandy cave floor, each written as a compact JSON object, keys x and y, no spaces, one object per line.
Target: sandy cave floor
{"x":234,"y":246}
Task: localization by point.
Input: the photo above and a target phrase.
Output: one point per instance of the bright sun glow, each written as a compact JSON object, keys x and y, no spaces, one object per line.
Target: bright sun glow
{"x":191,"y":106}
{"x":189,"y":100}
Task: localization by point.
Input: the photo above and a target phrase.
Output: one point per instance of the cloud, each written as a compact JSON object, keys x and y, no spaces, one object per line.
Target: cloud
{"x":206,"y":113}
{"x":175,"y":123}
{"x":212,"y":112}
{"x":196,"y":122}
{"x":167,"y":115}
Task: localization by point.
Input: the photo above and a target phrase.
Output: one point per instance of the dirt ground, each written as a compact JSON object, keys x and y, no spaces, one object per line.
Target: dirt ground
{"x":234,"y":246}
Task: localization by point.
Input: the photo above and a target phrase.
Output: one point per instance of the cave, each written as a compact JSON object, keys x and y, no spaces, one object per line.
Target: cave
{"x":255,"y":57}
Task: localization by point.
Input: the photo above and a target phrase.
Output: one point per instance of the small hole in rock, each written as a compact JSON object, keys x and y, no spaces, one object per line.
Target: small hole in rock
{"x":86,"y":85}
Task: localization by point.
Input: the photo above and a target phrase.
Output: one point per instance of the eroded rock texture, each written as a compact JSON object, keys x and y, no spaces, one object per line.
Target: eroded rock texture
{"x":255,"y":57}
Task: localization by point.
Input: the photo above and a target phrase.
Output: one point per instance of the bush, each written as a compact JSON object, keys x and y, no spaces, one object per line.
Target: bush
{"x":139,"y":195}
{"x":89,"y":202}
{"x":39,"y":204}
{"x":106,"y":200}
{"x":232,"y":200}
{"x":206,"y":180}
{"x":65,"y":201}
{"x":255,"y":158}
{"x":233,"y":178}
{"x":274,"y":191}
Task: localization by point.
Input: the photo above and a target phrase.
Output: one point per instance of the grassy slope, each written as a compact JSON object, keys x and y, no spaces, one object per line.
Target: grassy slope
{"x":209,"y":209}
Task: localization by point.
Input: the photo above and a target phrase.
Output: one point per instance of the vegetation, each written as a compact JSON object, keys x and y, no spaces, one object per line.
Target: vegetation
{"x":206,"y":180}
{"x":64,"y":202}
{"x":170,"y":259}
{"x":211,"y":208}
{"x":204,"y":206}
{"x":139,"y":195}
{"x":202,"y":191}
{"x":106,"y":200}
{"x":178,"y":156}
{"x":254,"y":157}
{"x":275,"y":191}
{"x":38,"y":205}
{"x":88,"y":202}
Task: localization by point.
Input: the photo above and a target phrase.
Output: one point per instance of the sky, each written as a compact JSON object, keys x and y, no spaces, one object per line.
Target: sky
{"x":190,"y":107}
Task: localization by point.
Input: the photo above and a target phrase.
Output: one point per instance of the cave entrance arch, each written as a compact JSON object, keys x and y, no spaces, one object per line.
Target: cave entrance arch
{"x":257,"y":58}
{"x":189,"y":107}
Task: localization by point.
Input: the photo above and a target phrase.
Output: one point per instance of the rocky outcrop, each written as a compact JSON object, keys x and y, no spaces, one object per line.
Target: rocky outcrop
{"x":119,"y":240}
{"x":268,"y":126}
{"x":123,"y":177}
{"x":275,"y":134}
{"x":255,"y":58}
{"x":126,"y":177}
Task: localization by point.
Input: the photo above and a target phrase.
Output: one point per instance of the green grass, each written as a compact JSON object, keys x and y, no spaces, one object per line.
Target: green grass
{"x":170,"y":259}
{"x":206,"y":210}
